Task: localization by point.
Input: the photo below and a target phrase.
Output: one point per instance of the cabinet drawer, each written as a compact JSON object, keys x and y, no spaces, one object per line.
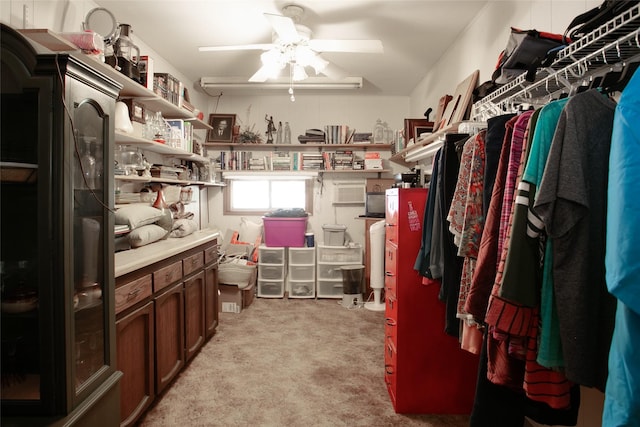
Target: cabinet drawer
{"x":391,"y":317}
{"x":133,"y":292}
{"x":193,"y":263}
{"x":390,"y":364}
{"x":210,"y":254}
{"x":167,"y":275}
{"x":390,"y":268}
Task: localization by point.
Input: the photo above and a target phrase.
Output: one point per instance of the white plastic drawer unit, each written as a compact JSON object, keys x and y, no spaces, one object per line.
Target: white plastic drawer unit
{"x":270,"y":272}
{"x":302,"y":256}
{"x":271,"y":288}
{"x":301,"y":272}
{"x":270,"y":255}
{"x":340,"y":254}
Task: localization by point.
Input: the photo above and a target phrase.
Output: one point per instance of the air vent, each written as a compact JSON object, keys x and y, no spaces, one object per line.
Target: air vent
{"x":349,"y":194}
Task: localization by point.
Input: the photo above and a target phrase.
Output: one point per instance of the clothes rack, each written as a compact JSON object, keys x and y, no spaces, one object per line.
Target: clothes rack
{"x":613,"y":45}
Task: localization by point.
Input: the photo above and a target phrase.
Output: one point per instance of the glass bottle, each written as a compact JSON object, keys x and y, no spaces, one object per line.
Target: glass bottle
{"x":166,"y":221}
{"x":158,"y":128}
{"x":85,"y":176}
{"x":287,"y":133}
{"x":279,"y":133}
{"x":378,"y":132}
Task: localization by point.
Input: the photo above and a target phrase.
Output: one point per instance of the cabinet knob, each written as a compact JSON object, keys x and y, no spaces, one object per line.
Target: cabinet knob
{"x":131,"y":295}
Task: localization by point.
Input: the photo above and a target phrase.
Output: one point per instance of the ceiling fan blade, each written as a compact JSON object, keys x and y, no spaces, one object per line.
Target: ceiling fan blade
{"x":261,"y":75}
{"x":255,"y":46}
{"x":334,"y":72}
{"x":359,"y":46}
{"x":284,"y":27}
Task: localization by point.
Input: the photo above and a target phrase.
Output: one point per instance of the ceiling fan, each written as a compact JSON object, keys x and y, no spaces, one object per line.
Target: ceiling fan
{"x":293,"y":45}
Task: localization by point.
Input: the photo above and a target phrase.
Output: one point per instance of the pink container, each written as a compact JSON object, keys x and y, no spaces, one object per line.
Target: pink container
{"x":284,"y":232}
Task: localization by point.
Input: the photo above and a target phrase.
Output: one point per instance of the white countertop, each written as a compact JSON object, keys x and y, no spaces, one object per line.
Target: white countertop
{"x":134,"y":259}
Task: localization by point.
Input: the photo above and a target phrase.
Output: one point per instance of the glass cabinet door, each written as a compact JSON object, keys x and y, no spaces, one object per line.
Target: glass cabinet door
{"x":20,"y":345}
{"x":89,"y":222}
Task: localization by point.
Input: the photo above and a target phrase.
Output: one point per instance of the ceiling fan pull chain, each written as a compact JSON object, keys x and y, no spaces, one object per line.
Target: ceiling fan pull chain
{"x":292,"y":96}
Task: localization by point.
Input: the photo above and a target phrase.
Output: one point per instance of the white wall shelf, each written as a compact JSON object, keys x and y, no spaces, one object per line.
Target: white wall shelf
{"x":157,"y":147}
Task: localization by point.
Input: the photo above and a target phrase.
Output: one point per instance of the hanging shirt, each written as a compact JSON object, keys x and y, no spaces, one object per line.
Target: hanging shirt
{"x":622,"y":261}
{"x":571,"y":200}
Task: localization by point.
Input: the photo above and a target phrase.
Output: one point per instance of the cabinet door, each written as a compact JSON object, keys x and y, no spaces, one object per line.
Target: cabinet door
{"x":210,"y":300}
{"x":135,"y":343}
{"x":169,"y":332}
{"x":194,"y":314}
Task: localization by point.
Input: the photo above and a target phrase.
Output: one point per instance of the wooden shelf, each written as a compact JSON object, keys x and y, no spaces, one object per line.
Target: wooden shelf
{"x":299,"y":147}
{"x":399,"y":157}
{"x":157,"y":147}
{"x":134,"y":90}
{"x":134,"y":178}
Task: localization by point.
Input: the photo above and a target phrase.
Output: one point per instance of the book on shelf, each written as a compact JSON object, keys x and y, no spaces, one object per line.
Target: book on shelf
{"x":337,"y":134}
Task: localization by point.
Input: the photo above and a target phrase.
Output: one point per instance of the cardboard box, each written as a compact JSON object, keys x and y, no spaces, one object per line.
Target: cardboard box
{"x":379,"y":185}
{"x":231,"y":299}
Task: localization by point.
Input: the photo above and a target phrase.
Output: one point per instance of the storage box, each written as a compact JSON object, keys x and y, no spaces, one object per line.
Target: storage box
{"x":234,"y":300}
{"x":284,"y":232}
{"x":334,"y":234}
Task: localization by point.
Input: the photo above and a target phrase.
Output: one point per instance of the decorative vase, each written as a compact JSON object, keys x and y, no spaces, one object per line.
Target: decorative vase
{"x":166,"y":221}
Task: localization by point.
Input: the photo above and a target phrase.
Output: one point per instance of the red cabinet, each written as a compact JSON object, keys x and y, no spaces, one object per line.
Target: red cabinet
{"x":426,"y":372}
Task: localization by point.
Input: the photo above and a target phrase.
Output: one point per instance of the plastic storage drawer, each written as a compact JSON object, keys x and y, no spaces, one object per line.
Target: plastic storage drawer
{"x":302,"y":256}
{"x":301,"y":272}
{"x":340,"y":254}
{"x":329,"y":288}
{"x":270,"y":255}
{"x":271,"y":288}
{"x":330,"y":271}
{"x":301,"y":288}
{"x":270,"y":272}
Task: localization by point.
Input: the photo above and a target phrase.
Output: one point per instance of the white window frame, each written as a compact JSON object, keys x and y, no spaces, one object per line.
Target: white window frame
{"x":230,"y":177}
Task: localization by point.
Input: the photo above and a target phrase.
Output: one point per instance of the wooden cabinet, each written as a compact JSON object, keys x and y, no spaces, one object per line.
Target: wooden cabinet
{"x":57,"y":320}
{"x":194,"y":298}
{"x":166,"y":311}
{"x":135,"y":343}
{"x":210,"y":290}
{"x":425,"y":369}
{"x":169,"y":314}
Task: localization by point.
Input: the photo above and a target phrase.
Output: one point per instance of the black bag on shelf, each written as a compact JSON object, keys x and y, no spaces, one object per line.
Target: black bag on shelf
{"x":594,"y":18}
{"x":526,"y":51}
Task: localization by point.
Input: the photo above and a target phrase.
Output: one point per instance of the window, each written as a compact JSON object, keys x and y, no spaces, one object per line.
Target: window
{"x":248,"y":195}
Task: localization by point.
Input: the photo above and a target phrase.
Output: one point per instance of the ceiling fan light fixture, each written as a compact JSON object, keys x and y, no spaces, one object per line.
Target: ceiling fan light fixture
{"x":298,"y":73}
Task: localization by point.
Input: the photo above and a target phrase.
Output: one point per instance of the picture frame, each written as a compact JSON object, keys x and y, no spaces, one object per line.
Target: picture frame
{"x":411,"y":126}
{"x":136,"y":110}
{"x":222,"y":127}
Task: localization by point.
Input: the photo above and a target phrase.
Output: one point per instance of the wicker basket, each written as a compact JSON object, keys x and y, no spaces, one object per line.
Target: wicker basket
{"x":236,"y":271}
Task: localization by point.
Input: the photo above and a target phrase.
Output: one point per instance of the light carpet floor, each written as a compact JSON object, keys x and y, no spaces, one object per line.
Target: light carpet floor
{"x":289,"y":362}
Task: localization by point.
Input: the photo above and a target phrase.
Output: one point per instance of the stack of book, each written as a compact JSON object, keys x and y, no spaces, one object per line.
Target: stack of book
{"x":372,"y":160}
{"x":312,"y":161}
{"x":361,"y":137}
{"x":280,"y":161}
{"x":338,"y":134}
{"x":313,"y":136}
{"x":342,"y":160}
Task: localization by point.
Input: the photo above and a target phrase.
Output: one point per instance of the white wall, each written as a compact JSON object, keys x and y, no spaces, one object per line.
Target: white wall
{"x":312,"y":111}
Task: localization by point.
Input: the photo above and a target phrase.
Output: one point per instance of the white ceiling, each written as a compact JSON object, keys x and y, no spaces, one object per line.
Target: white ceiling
{"x":414,"y":33}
